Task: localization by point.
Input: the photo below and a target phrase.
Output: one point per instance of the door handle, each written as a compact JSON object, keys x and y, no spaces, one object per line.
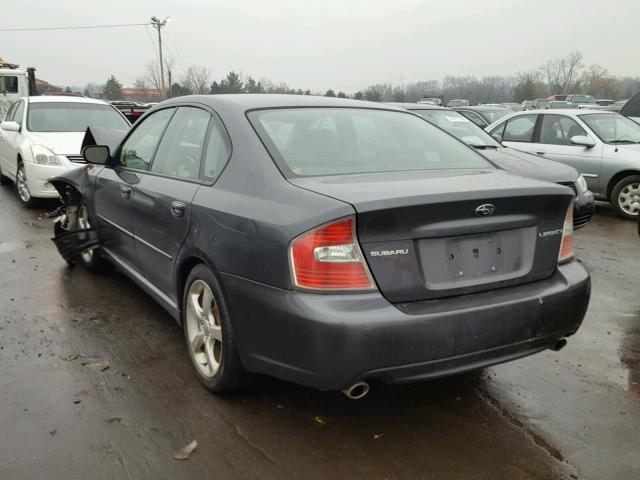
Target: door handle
{"x":177,"y":209}
{"x":541,"y":153}
{"x":125,"y":192}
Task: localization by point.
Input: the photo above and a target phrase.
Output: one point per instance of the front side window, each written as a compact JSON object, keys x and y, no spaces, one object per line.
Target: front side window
{"x":335,"y":141}
{"x":180,"y":149}
{"x":139,"y":148}
{"x":558,"y":130}
{"x":613,"y":128}
{"x":520,"y":129}
{"x":73,"y":117}
{"x":19,"y":113}
{"x":11,"y":112}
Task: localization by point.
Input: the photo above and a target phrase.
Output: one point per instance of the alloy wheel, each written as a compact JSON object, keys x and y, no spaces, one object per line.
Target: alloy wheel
{"x":204,"y":330}
{"x":21,"y":185}
{"x":629,"y":199}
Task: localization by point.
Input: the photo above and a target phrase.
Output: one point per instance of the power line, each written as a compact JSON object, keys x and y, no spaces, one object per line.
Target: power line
{"x":72,"y":28}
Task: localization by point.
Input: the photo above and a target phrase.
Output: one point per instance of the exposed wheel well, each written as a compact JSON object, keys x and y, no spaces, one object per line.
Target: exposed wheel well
{"x":617,"y":177}
{"x":181,"y":276}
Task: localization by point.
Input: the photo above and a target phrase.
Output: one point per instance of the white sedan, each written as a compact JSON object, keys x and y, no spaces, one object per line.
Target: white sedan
{"x":41,"y":137}
{"x":603,"y":146}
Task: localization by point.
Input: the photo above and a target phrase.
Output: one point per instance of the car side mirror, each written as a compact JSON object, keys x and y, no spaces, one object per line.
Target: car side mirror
{"x":583,"y":141}
{"x":10,"y":126}
{"x":96,"y":154}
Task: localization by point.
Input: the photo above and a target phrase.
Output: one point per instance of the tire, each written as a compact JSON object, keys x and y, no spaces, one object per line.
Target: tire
{"x":208,"y":332}
{"x":625,"y":197}
{"x":22,"y":188}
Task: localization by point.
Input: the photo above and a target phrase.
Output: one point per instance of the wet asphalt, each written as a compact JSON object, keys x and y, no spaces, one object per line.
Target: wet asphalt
{"x":95,"y":382}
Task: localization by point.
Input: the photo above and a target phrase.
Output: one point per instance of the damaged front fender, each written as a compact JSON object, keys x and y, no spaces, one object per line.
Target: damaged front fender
{"x":73,"y":234}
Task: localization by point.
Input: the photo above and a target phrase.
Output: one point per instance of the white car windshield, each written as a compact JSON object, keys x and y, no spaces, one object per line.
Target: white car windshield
{"x":72,"y":117}
{"x":613,"y":128}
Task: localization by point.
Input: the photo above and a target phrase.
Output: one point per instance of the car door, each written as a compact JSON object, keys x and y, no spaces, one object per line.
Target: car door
{"x":9,"y":141}
{"x":554,"y":142}
{"x":115,"y":187}
{"x":518,"y":132}
{"x":3,"y":138}
{"x":165,"y":193}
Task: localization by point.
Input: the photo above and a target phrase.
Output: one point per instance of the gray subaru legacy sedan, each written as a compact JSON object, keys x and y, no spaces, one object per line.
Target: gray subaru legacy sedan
{"x":327,"y":242}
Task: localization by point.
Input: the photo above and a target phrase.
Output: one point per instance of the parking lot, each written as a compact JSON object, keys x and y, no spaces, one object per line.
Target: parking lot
{"x":95,"y":382}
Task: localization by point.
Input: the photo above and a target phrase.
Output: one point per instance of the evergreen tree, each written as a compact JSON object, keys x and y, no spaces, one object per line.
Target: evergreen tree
{"x":358,"y":95}
{"x":112,"y":89}
{"x":342,"y":95}
{"x":525,"y":89}
{"x":330,"y":93}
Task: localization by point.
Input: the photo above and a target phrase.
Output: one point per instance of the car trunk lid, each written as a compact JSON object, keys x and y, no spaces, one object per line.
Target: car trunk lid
{"x":437,"y":234}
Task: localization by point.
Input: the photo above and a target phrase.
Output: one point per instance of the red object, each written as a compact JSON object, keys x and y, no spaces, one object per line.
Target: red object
{"x":341,"y":268}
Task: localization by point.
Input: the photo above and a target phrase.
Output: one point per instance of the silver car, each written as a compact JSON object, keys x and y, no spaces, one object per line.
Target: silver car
{"x":603,"y":146}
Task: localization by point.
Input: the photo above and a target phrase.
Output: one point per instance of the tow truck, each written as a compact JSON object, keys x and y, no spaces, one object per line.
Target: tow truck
{"x":15,"y":83}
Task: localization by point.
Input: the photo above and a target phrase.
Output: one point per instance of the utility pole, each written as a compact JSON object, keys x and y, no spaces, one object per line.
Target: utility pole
{"x":158,"y":24}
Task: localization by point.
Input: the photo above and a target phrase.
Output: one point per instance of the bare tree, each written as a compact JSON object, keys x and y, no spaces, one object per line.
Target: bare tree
{"x":197,"y":79}
{"x":572,"y":64}
{"x":152,"y":72}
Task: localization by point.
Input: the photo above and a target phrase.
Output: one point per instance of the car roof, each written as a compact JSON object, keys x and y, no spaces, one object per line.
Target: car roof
{"x":64,"y":99}
{"x":417,"y":106}
{"x":255,"y":101}
{"x":482,"y":107}
{"x":564,"y":111}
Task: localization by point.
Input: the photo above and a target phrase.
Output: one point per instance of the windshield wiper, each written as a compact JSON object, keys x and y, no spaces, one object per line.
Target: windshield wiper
{"x":482,"y":147}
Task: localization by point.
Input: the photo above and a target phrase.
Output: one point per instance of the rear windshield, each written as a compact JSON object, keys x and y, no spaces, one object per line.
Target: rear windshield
{"x":73,"y":117}
{"x":342,"y":141}
{"x":582,"y":99}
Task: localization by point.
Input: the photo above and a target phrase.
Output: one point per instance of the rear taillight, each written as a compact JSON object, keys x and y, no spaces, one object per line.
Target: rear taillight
{"x":329,"y":258}
{"x":566,"y":248}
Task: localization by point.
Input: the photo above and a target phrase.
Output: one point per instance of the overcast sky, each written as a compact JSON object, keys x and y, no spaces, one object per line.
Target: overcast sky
{"x":340,"y":44}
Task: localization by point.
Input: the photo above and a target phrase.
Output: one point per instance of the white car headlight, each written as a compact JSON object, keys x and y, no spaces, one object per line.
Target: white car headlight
{"x":582,"y":183}
{"x":44,"y":156}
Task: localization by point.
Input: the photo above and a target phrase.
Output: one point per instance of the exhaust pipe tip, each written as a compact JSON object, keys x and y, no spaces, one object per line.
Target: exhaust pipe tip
{"x":559,"y":345}
{"x":357,"y":390}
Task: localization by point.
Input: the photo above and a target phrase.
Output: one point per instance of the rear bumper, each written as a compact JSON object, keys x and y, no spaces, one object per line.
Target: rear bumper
{"x":331,"y":341}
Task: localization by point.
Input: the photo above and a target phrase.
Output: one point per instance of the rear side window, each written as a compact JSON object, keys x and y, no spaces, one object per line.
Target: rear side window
{"x":139,"y":148}
{"x":558,"y":130}
{"x":520,"y":129}
{"x":334,"y":141}
{"x":180,"y":149}
{"x":217,"y":152}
